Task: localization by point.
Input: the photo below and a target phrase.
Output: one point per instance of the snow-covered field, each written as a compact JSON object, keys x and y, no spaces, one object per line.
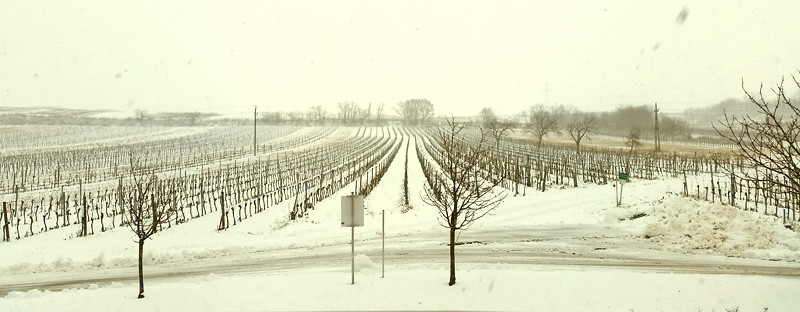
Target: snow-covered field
{"x":566,"y":249}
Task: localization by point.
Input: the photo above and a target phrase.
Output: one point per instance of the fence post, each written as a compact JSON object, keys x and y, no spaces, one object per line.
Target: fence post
{"x":222,"y":215}
{"x":6,"y":235}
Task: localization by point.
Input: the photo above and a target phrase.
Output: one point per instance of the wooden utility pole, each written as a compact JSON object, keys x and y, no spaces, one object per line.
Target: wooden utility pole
{"x":658,"y":130}
{"x":255,"y":118}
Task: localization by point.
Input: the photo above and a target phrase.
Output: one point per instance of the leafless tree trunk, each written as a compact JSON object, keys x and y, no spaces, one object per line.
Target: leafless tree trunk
{"x":147,"y":202}
{"x":497,"y":127}
{"x":579,"y":128}
{"x":632,"y":140}
{"x":542,"y":121}
{"x":461,"y":193}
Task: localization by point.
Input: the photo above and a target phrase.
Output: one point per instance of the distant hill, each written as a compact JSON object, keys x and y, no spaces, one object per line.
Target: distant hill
{"x":52,"y":112}
{"x":66,"y":116}
{"x":706,"y":116}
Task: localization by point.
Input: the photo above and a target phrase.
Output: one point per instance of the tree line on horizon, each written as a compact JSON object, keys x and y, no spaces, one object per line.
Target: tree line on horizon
{"x":619,"y":122}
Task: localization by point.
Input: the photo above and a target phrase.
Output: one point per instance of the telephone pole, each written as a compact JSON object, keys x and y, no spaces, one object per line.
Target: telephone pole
{"x":658,"y":134}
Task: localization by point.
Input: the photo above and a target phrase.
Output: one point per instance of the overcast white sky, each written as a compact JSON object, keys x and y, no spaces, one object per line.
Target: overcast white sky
{"x":461,"y":55}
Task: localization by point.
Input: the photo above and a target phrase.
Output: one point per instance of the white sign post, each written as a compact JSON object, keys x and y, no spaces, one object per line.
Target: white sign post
{"x":352,"y":216}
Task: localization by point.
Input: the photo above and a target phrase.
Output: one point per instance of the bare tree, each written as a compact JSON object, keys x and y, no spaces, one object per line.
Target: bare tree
{"x":147,"y":206}
{"x":348,"y":111}
{"x":318,"y":113}
{"x":579,"y":127}
{"x":496,"y":127}
{"x":461,"y":193}
{"x":295,"y":116}
{"x":379,"y":112}
{"x":632,"y":140}
{"x":487,"y":116}
{"x":674,"y":128}
{"x":272,"y":117}
{"x":141,"y":115}
{"x":365,"y":114}
{"x":770,"y":140}
{"x":542,"y":121}
{"x":415,"y":111}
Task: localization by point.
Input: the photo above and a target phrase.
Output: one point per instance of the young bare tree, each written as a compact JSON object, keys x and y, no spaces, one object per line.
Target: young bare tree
{"x":147,"y":207}
{"x":461,"y":192}
{"x":542,"y":121}
{"x":633,"y":139}
{"x":497,"y":128}
{"x":770,"y":140}
{"x":579,"y":127}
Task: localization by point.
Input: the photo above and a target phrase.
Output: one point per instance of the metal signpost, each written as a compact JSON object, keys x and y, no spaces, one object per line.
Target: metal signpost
{"x":623,"y":178}
{"x":352,"y":216}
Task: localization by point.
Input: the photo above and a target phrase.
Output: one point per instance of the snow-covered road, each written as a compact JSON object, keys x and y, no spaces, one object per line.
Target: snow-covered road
{"x":545,"y":245}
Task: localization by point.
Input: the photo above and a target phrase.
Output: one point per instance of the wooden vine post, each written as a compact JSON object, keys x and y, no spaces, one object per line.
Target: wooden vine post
{"x":222,"y":224}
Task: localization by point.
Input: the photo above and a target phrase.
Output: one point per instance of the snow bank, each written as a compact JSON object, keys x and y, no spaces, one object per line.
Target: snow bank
{"x":688,"y":225}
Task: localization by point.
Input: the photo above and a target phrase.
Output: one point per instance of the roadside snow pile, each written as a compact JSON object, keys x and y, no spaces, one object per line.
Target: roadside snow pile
{"x":687,"y":225}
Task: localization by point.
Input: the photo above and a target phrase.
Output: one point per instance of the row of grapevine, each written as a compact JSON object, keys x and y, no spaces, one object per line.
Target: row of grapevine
{"x":527,"y":166}
{"x":237,"y":191}
{"x":54,"y":168}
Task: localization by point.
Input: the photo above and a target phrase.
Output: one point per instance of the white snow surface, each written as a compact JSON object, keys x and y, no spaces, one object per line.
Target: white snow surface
{"x":688,"y":225}
{"x":566,"y":249}
{"x":423,"y":287}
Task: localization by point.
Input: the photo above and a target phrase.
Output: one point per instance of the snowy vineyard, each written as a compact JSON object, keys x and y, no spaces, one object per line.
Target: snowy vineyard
{"x":284,"y":168}
{"x":75,"y":177}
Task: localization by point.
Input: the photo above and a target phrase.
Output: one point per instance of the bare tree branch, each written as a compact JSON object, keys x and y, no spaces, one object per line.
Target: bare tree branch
{"x":460,"y":192}
{"x":579,"y":127}
{"x":768,"y":141}
{"x":542,"y":121}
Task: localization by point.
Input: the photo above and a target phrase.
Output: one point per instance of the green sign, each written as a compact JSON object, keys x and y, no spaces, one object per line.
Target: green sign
{"x":623,"y":176}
